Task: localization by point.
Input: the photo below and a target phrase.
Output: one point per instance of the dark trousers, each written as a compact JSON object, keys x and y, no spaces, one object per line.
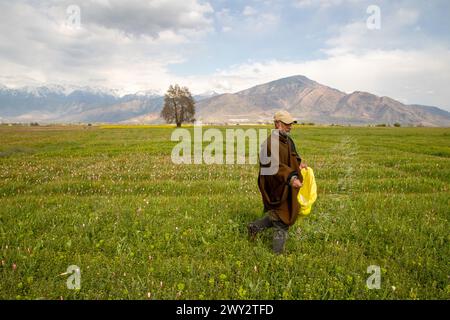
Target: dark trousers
{"x":270,"y":220}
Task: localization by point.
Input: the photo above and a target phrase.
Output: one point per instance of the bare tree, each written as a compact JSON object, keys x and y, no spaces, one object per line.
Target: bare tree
{"x":179,"y":106}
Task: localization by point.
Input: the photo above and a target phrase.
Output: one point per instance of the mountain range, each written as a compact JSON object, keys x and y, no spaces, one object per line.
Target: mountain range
{"x":83,"y":104}
{"x":305,"y":99}
{"x":310,"y":101}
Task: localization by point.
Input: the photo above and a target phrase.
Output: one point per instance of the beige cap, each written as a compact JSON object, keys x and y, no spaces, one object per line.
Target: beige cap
{"x":284,"y":117}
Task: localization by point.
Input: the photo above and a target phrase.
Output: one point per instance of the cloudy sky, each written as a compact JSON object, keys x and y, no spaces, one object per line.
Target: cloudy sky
{"x":230,"y":45}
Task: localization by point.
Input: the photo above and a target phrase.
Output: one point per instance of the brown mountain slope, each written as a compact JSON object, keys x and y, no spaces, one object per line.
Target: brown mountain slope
{"x":309,"y":101}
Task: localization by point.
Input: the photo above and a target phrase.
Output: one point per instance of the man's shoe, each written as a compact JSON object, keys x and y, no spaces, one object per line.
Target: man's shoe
{"x":252,"y":232}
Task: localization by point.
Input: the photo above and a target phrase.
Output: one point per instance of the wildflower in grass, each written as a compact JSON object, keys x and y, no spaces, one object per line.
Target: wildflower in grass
{"x":180,"y":286}
{"x":14,"y":266}
{"x":242,"y":292}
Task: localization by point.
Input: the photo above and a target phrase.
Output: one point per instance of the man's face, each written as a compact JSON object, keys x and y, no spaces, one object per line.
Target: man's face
{"x":283,"y":127}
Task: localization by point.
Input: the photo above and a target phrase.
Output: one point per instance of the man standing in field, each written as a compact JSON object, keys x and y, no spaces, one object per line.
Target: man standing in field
{"x":279,"y":190}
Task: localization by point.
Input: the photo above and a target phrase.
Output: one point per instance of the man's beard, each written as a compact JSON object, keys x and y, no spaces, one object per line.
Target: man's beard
{"x":284,"y":133}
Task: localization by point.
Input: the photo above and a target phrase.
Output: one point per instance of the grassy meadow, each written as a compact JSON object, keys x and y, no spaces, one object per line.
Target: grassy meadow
{"x":110,"y":200}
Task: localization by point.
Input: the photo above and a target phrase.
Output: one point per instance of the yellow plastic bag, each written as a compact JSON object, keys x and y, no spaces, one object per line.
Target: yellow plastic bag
{"x":308,"y":192}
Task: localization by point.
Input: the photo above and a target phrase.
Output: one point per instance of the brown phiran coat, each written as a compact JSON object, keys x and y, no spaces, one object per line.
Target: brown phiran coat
{"x":277,"y":195}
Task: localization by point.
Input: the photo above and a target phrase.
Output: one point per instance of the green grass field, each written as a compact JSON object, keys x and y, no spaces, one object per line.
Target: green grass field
{"x":110,"y":201}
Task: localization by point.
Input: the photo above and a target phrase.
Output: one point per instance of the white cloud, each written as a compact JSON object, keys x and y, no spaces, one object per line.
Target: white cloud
{"x":397,"y":31}
{"x":405,"y":16}
{"x":249,"y":11}
{"x":249,"y":21}
{"x":120,"y":44}
{"x":321,"y":3}
{"x":139,"y":18}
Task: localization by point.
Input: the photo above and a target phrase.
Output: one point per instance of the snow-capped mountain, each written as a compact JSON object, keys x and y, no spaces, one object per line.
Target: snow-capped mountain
{"x":149,"y":93}
{"x":55,"y":103}
{"x":304,"y":98}
{"x":205,"y":95}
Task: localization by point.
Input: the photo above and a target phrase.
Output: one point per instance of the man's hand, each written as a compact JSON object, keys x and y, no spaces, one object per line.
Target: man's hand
{"x":303,"y":165}
{"x":297,"y":184}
